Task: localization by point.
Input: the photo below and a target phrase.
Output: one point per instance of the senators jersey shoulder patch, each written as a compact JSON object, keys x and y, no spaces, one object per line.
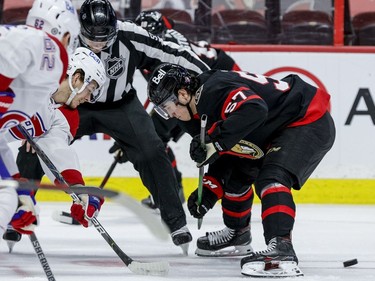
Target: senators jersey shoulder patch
{"x":247,"y":149}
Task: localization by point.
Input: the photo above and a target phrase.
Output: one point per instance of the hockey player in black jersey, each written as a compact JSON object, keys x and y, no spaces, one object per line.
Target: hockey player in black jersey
{"x":157,"y":24}
{"x":268,"y":133}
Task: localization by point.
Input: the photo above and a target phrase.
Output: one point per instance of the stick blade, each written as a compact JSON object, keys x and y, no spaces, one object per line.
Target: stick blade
{"x":150,"y":268}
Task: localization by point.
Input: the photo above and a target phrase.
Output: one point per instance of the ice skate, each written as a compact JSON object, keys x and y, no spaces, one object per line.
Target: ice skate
{"x":149,"y":202}
{"x":11,"y":237}
{"x":182,"y":237}
{"x":277,"y":261}
{"x":225,"y":242}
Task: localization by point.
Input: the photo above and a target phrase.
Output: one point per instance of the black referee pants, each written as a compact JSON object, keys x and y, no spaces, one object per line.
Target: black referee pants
{"x":131,"y":126}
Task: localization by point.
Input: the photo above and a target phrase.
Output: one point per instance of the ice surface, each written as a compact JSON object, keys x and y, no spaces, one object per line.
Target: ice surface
{"x":324,"y":236}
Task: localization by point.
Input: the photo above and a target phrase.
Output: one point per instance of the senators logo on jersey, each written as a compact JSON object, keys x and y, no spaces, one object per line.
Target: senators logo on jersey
{"x":247,"y":149}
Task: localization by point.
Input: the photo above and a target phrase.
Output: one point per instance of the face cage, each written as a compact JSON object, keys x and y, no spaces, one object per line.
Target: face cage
{"x":94,"y":96}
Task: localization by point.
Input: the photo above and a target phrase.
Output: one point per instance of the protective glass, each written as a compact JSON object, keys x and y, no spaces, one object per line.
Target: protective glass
{"x":167,"y":107}
{"x":95,"y":95}
{"x":97,"y":45}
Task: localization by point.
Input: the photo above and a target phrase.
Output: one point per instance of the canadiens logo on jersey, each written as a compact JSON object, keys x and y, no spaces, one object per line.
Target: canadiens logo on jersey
{"x":247,"y":149}
{"x":115,"y":67}
{"x":11,"y":119}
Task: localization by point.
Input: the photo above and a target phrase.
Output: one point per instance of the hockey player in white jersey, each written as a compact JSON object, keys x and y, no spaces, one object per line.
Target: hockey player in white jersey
{"x":55,"y":125}
{"x":33,"y":62}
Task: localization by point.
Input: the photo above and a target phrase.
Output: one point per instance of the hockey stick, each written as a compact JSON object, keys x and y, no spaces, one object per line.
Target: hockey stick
{"x":201,"y":169}
{"x":155,"y":227}
{"x":38,"y":250}
{"x":152,"y":268}
{"x":65,"y":217}
{"x":115,"y":196}
{"x":111,"y":168}
{"x":42,"y":258}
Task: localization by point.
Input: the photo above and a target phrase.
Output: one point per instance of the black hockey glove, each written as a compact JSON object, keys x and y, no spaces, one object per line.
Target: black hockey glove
{"x":203,"y":154}
{"x":115,"y":147}
{"x":211,"y":193}
{"x":208,"y":201}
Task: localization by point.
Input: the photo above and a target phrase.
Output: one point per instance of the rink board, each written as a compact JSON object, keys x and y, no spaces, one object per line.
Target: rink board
{"x":322,"y":191}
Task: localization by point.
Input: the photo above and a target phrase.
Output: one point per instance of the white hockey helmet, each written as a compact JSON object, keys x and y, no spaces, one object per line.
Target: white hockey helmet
{"x":56,"y":17}
{"x":92,"y":66}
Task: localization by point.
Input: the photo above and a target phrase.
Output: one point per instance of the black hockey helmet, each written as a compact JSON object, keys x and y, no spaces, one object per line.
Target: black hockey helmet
{"x":154,"y":22}
{"x":164,"y":83}
{"x":98,"y":23}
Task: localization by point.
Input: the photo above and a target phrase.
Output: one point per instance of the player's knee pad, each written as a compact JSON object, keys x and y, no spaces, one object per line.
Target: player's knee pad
{"x":270,"y":175}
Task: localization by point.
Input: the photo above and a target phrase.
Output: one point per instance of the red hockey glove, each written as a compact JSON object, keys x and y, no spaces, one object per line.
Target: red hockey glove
{"x":86,"y":209}
{"x":27,"y":214}
{"x":212,"y":191}
{"x":6,"y":100}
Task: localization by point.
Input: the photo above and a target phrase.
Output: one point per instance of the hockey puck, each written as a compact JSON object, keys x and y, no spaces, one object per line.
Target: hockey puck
{"x":350,"y":262}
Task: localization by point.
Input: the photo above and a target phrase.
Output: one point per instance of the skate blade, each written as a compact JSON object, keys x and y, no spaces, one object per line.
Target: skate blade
{"x":155,"y":211}
{"x":278,"y":269}
{"x":10,"y":245}
{"x":185,"y":248}
{"x":226,"y":252}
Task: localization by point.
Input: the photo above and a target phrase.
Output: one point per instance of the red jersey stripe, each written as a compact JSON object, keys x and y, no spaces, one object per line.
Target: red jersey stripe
{"x":275,"y":189}
{"x":244,"y":197}
{"x":317,"y":108}
{"x":5,"y":82}
{"x":236,"y":214}
{"x":63,"y":56}
{"x":278,"y":209}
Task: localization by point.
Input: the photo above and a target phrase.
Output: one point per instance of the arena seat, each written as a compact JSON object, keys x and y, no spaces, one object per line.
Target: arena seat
{"x":364,"y":29}
{"x":239,"y":27}
{"x":15,"y":11}
{"x":306,"y":27}
{"x":182,"y":21}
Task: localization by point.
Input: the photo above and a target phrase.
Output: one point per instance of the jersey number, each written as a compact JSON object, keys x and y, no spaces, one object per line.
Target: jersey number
{"x":279,"y":85}
{"x":240,"y":96}
{"x":38,"y":24}
{"x":48,"y":58}
{"x":232,"y":105}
